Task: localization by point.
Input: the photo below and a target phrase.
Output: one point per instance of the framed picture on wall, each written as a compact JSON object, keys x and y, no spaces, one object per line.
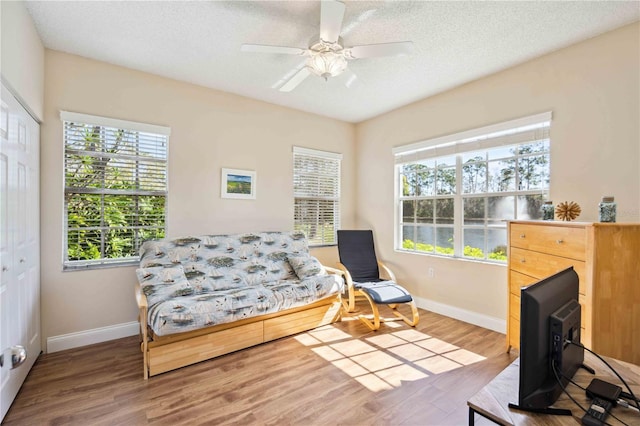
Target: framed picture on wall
{"x":240,"y":184}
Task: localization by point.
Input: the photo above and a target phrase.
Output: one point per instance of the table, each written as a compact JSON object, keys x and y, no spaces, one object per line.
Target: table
{"x":492,"y":400}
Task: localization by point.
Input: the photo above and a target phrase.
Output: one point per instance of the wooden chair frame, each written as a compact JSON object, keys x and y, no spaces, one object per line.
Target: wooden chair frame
{"x":373,"y":321}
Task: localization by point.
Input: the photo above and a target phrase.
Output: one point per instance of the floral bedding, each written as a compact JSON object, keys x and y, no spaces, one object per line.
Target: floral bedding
{"x":197,"y":282}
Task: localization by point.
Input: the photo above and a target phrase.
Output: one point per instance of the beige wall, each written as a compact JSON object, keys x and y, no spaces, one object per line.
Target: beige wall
{"x":209,"y":130}
{"x":594,"y":92}
{"x":592,"y":88}
{"x":22,"y":58}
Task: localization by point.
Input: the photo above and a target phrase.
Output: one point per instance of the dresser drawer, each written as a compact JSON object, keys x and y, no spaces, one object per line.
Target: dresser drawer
{"x":514,"y":333}
{"x":540,"y":265}
{"x":583,"y":312}
{"x":514,"y":306}
{"x":514,"y":317}
{"x":565,"y":241}
{"x":514,"y":313}
{"x":518,"y":280}
{"x":514,"y":297}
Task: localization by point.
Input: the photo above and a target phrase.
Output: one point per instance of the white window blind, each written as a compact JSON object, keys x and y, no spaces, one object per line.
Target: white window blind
{"x":508,"y":133}
{"x":316,"y":187}
{"x":115,"y":188}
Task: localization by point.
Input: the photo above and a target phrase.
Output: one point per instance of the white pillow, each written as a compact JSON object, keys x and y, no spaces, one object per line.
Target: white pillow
{"x":306,"y":266}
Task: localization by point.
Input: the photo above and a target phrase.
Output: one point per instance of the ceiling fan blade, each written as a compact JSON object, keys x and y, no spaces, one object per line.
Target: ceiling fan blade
{"x":262,"y":48}
{"x":383,"y":49}
{"x":295,"y":80}
{"x":331,"y":15}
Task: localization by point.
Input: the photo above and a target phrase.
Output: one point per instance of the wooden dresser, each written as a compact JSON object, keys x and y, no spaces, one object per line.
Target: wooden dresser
{"x":606,"y":257}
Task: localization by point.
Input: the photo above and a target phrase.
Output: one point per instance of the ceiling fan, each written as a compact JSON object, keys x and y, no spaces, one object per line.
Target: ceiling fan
{"x":326,"y":55}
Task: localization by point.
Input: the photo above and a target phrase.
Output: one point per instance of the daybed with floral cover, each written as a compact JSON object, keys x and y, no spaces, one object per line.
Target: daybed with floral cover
{"x":201,"y":297}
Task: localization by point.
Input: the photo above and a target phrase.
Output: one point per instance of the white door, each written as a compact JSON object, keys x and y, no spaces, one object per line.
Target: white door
{"x":19,"y":244}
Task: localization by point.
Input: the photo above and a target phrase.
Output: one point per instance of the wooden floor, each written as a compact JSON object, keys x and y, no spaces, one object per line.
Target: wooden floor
{"x":339,"y":374}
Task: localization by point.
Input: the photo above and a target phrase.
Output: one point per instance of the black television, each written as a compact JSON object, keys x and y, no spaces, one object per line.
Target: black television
{"x":549,"y":317}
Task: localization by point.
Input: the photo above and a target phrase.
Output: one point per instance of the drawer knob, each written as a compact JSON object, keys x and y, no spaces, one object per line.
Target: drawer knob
{"x":522,"y":236}
{"x":560,"y":241}
{"x":523,"y":260}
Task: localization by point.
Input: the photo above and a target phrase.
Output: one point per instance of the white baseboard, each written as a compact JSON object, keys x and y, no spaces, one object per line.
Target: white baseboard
{"x":89,"y":337}
{"x":481,"y":320}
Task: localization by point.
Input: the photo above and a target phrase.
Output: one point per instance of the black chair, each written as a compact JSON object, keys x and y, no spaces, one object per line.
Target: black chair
{"x":362,"y":270}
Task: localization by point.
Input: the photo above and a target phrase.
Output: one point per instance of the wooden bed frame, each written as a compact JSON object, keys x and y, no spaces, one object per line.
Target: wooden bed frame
{"x":166,"y":353}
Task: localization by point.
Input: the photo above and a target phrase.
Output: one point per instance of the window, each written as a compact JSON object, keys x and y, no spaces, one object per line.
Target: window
{"x":115,"y":189}
{"x":316,"y":191}
{"x":454,"y":193}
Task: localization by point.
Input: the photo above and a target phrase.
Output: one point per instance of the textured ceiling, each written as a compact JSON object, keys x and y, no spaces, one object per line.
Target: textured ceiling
{"x":199,"y":42}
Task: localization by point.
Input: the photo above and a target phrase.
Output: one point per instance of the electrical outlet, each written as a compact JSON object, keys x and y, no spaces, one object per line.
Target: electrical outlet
{"x":430,"y":273}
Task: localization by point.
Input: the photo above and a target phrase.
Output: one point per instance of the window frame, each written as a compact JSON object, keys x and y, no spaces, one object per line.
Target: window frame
{"x":331,"y":159}
{"x":110,"y":126}
{"x":506,"y":135}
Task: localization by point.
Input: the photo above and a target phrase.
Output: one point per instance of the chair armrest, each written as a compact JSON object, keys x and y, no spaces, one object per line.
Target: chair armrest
{"x":349,"y":304}
{"x":331,"y":270}
{"x":387,"y":271}
{"x":345,"y":273}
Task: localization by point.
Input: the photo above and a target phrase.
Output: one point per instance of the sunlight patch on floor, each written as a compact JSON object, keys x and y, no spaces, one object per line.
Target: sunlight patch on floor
{"x":385,"y":340}
{"x":376,"y":361}
{"x":373,"y":383}
{"x":352,"y":347}
{"x":350,"y":367}
{"x":411,"y":352}
{"x":328,"y":353}
{"x":436,"y":345}
{"x":384,"y":361}
{"x":438,"y":364}
{"x":328,"y":334}
{"x":465,"y":357}
{"x":396,"y":375}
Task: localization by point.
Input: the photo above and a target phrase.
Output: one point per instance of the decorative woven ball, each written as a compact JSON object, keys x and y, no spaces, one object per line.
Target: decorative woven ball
{"x":568,"y":210}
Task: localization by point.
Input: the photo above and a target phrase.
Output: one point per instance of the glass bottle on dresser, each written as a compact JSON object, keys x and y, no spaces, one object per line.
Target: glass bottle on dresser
{"x":607,"y":210}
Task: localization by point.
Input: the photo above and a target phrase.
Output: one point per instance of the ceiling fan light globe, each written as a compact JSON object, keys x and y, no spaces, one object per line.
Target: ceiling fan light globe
{"x":327,"y":64}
